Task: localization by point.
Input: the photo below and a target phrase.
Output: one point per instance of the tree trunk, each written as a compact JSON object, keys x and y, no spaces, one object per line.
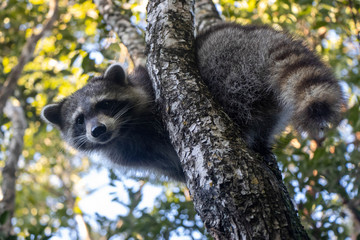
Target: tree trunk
{"x":126,"y":31}
{"x":7,"y":204}
{"x":206,"y":15}
{"x":236,"y":193}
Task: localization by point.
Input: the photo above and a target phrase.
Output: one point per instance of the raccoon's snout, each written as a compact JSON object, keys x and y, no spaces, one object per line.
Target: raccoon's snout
{"x":98,"y":130}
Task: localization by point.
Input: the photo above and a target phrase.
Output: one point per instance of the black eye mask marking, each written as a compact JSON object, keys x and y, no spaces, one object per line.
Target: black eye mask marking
{"x":105,"y":104}
{"x":80,"y":119}
{"x":112,"y":107}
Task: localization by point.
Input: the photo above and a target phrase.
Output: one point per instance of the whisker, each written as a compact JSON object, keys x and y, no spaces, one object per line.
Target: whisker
{"x":79,"y":141}
{"x":129,"y":107}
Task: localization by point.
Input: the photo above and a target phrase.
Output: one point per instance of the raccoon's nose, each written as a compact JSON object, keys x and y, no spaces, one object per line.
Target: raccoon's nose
{"x":97,"y":130}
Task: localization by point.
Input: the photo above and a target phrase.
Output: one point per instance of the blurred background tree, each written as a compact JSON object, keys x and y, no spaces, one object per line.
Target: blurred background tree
{"x":63,"y":195}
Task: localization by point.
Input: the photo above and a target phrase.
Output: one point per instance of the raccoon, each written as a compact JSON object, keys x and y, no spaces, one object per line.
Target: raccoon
{"x":262,"y":78}
{"x":114,"y":116}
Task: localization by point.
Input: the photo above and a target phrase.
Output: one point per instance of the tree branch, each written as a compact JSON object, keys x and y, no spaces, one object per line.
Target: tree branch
{"x":7,"y":204}
{"x":127,"y":32}
{"x":235,"y":192}
{"x":206,"y":15}
{"x":26,"y":54}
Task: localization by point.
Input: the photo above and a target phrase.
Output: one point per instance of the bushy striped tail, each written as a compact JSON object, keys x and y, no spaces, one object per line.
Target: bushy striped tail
{"x":307,"y":88}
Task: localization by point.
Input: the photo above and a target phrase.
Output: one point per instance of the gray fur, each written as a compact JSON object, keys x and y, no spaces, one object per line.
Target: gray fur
{"x":264,"y":78}
{"x":261,"y":77}
{"x":136,"y":137}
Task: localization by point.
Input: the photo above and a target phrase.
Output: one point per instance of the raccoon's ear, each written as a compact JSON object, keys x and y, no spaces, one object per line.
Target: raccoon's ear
{"x":51,"y":114}
{"x":116,"y":73}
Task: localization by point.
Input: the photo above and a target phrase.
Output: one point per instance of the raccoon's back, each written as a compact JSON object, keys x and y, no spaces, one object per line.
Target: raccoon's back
{"x":263,"y":78}
{"x":234,"y":62}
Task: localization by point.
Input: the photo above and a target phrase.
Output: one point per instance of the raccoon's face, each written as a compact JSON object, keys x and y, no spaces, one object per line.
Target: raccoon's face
{"x":104,"y":110}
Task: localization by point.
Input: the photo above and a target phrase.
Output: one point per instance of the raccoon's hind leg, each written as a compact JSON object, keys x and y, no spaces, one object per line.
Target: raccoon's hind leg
{"x":259,"y":137}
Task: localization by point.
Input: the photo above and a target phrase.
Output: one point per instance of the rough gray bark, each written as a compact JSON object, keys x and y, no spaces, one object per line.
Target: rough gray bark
{"x":206,"y":15}
{"x":26,"y":54}
{"x":127,"y":32}
{"x":236,"y":193}
{"x":7,"y":204}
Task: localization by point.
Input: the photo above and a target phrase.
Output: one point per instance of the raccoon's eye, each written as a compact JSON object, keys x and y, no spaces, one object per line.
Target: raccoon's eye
{"x":80,"y":119}
{"x":111,"y":107}
{"x":105,"y":105}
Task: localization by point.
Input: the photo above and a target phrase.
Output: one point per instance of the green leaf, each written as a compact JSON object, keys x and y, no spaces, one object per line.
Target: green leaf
{"x":73,"y":59}
{"x":3,"y":217}
{"x":88,"y":64}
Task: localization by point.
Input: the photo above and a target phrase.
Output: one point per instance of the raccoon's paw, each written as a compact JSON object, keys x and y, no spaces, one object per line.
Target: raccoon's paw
{"x":317,"y":118}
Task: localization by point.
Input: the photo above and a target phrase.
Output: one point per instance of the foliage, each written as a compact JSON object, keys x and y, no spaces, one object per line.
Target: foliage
{"x":50,"y":186}
{"x":173,"y":214}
